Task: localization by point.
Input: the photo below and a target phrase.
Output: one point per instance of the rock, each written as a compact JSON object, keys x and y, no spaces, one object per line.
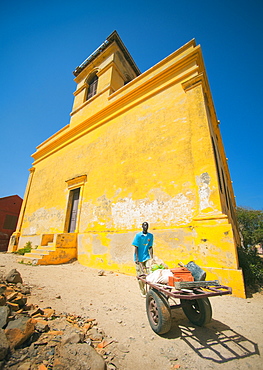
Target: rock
{"x":4,"y":313}
{"x":14,"y":277}
{"x":23,"y":289}
{"x":2,"y":288}
{"x":4,"y":345}
{"x":19,"y":330}
{"x":11,"y":295}
{"x":24,"y":366}
{"x":66,"y":339}
{"x":77,"y":356}
{"x":41,"y":326}
{"x":86,"y":326}
{"x":42,"y":367}
{"x":36,"y":311}
{"x":101,"y":272}
{"x":72,"y":335}
{"x":20,"y":300}
{"x":94,"y":334}
{"x":2,"y":300}
{"x":13,"y":306}
{"x":48,"y":312}
{"x":71,"y":338}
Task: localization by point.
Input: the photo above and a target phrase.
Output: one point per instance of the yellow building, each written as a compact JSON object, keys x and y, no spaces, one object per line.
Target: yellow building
{"x":139,"y":147}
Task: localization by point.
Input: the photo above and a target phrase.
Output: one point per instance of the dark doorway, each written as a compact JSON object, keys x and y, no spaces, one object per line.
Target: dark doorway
{"x":74,"y":199}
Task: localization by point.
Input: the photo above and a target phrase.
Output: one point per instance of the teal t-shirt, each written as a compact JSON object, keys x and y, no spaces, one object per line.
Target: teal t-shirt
{"x":144,"y":242}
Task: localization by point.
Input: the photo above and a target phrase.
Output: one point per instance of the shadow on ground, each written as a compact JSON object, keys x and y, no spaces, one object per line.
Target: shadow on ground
{"x":216,"y":341}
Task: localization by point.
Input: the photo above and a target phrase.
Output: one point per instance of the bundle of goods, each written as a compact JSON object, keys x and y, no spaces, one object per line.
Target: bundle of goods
{"x":185,"y":273}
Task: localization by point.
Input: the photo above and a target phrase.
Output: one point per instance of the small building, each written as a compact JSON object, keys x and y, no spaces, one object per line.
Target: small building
{"x":9,"y":212}
{"x":139,"y":147}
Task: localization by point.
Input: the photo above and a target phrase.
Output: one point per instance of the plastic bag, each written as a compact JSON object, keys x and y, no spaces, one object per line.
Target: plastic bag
{"x":157,"y":263}
{"x":159,"y":276}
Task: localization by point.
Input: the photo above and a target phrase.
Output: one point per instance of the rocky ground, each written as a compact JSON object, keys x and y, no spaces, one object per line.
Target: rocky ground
{"x":81,"y":316}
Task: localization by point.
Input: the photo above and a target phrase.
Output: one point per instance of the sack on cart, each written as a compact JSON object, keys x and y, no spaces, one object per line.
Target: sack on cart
{"x":160,"y":276}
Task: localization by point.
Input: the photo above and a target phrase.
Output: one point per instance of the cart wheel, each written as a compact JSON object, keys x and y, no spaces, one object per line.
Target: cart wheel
{"x":158,"y":312}
{"x":198,"y":311}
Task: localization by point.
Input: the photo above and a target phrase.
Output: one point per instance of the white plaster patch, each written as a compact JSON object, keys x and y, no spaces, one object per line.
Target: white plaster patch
{"x":44,"y":220}
{"x":204,"y":191}
{"x":129,"y":213}
{"x":32,"y":231}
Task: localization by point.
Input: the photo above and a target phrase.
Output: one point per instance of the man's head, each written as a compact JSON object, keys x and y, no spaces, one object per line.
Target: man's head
{"x":145,"y":226}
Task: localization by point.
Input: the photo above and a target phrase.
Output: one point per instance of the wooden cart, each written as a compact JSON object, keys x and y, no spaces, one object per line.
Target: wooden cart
{"x":194,"y":300}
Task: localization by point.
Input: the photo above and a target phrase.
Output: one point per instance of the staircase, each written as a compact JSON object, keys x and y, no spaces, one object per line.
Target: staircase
{"x":36,"y":256}
{"x":61,"y":250}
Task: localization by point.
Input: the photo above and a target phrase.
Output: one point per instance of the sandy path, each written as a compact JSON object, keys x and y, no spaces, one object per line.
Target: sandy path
{"x":233,"y":339}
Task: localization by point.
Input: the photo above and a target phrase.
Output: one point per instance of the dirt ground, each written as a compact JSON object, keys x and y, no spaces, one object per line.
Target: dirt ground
{"x":233,"y":339}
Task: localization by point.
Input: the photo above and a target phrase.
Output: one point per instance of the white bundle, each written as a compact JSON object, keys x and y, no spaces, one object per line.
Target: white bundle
{"x":159,"y":276}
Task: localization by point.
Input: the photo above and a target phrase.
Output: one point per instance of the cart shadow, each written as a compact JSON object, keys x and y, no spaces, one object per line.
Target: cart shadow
{"x":216,"y":341}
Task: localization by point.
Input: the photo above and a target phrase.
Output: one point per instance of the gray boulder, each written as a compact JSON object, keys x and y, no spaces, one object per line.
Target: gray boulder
{"x":4,"y":313}
{"x":19,"y":330}
{"x":77,"y":356}
{"x":14,"y":277}
{"x":4,"y":345}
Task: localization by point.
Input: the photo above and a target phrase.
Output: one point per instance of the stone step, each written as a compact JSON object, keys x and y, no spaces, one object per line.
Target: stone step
{"x":40,"y":251}
{"x":28,"y":260}
{"x":46,"y":247}
{"x":35,"y":255}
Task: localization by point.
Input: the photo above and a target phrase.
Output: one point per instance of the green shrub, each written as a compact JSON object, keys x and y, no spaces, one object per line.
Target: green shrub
{"x":252,"y":266}
{"x":27,"y":249}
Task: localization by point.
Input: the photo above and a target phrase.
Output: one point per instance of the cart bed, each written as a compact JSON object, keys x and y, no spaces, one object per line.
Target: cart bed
{"x":190,"y":290}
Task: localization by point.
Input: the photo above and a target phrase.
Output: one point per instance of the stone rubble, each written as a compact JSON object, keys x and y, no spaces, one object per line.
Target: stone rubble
{"x":35,"y":338}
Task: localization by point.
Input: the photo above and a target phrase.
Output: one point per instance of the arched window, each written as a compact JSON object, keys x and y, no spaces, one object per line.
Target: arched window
{"x":92,"y":85}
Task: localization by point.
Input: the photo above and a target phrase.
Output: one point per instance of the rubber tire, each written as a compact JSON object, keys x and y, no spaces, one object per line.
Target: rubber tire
{"x":158,"y":312}
{"x":198,"y":311}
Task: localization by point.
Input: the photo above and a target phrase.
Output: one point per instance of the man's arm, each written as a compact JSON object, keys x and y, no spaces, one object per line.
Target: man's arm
{"x":136,"y":254}
{"x":151,"y":252}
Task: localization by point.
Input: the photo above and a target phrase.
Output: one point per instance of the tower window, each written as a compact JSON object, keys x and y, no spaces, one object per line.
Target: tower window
{"x":92,"y":86}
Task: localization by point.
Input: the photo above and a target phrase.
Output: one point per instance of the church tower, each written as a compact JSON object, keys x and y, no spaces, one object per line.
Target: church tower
{"x":138,"y":147}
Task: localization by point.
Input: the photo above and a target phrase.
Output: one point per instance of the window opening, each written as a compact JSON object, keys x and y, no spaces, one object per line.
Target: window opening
{"x":217,"y":165}
{"x":226,"y":190}
{"x":92,"y":89}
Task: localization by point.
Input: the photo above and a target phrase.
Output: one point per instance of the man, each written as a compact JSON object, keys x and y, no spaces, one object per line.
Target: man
{"x":143,"y":253}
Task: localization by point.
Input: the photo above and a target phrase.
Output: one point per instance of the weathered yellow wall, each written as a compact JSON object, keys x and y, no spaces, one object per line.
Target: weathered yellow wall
{"x":147,"y":156}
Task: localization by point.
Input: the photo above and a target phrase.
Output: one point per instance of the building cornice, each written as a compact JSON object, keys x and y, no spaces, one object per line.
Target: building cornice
{"x":113,"y":37}
{"x":141,"y":88}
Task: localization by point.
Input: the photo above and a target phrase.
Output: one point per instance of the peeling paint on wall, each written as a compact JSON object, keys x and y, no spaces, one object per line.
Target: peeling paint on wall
{"x":121,"y":249}
{"x":129,"y":213}
{"x":177,"y":239}
{"x":97,"y":247}
{"x":204,"y":191}
{"x":44,"y":220}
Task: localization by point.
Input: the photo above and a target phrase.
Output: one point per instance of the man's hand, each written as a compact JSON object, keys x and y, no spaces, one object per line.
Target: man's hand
{"x":152,"y":262}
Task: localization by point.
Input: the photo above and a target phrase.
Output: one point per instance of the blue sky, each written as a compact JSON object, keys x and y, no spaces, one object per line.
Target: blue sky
{"x":42,"y":42}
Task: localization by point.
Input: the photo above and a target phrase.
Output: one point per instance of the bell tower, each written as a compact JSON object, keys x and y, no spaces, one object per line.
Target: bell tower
{"x":106,"y":70}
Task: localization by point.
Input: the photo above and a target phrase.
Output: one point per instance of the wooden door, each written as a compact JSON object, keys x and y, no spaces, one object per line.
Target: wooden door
{"x":74,"y":210}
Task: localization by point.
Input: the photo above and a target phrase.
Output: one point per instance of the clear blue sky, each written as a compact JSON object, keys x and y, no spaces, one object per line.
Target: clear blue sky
{"x":42,"y":42}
